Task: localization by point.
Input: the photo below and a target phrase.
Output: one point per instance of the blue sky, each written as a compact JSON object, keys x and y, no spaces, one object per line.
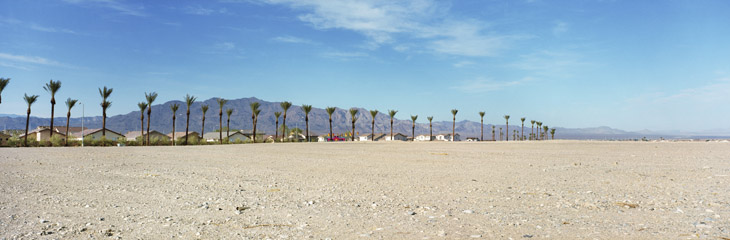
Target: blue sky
{"x":659,"y":65}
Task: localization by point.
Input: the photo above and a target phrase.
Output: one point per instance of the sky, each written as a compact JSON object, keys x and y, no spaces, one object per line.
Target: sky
{"x":632,"y":65}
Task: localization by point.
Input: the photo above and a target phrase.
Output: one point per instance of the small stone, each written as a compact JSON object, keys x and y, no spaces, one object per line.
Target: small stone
{"x":411,"y":213}
{"x":101,"y":219}
{"x":468,"y":211}
{"x":527,"y":236}
{"x":476,"y":236}
{"x":43,"y":221}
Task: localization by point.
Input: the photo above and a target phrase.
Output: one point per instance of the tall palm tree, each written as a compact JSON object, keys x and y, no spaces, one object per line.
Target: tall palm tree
{"x":523,"y":129}
{"x":353,"y":112}
{"x":392,"y":114}
{"x":413,"y":128}
{"x":174,"y":108}
{"x":506,"y":118}
{"x":538,"y":135}
{"x":254,"y":117}
{"x":481,"y":115}
{"x":284,"y":106}
{"x":105,"y":93}
{"x":545,"y":130}
{"x":70,"y":103}
{"x":514,"y":135}
{"x":307,"y":109}
{"x":493,"y":138}
{"x":552,"y":134}
{"x":276,"y":131}
{"x":189,"y":100}
{"x":228,"y":122}
{"x":501,"y":135}
{"x":52,"y":87}
{"x":142,"y":106}
{"x":29,"y":100}
{"x":330,"y":111}
{"x":3,"y":82}
{"x":221,"y":102}
{"x":453,"y":126}
{"x":532,"y":132}
{"x":150,"y":99}
{"x":430,"y":128}
{"x":373,"y":113}
{"x":204,"y":108}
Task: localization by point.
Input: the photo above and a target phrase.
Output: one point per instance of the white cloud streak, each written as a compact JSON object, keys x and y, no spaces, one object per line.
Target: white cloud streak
{"x":290,"y":39}
{"x":115,"y":5}
{"x":481,"y":85}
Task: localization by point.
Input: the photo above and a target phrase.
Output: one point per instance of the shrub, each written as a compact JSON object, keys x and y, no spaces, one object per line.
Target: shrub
{"x":57,"y":140}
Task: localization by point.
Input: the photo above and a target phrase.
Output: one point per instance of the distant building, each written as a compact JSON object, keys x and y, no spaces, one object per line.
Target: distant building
{"x":472,"y":139}
{"x":180,"y":136}
{"x":133,"y":135}
{"x":396,"y":137}
{"x":367,"y":137}
{"x":447,"y":137}
{"x":425,"y":137}
{"x":215,"y":137}
{"x":42,"y":133}
{"x":4,"y":138}
{"x":96,"y":134}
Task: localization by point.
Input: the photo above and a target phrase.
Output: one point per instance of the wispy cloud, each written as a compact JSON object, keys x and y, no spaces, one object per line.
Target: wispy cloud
{"x":290,"y":39}
{"x":35,"y":26}
{"x":345,"y":55}
{"x":224,"y":46}
{"x":28,"y":59}
{"x":463,"y":64}
{"x":115,"y":5}
{"x":481,"y":85}
{"x":550,"y":63}
{"x":199,"y":10}
{"x":425,"y":22}
{"x":559,"y":28}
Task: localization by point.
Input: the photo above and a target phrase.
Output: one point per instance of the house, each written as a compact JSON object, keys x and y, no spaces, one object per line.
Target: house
{"x":133,"y":135}
{"x":95,"y":134}
{"x":62,"y":129}
{"x":180,"y":136}
{"x":425,"y":137}
{"x":42,"y":133}
{"x":4,"y":138}
{"x":215,"y":137}
{"x":396,"y":137}
{"x":447,"y":137}
{"x":378,"y":137}
{"x":297,"y":137}
{"x":472,"y":139}
{"x":248,"y":133}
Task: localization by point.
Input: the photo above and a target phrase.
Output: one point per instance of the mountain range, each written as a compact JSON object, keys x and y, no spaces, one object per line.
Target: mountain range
{"x":318,"y":122}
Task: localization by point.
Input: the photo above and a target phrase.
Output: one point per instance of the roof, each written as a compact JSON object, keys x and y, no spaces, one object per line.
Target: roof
{"x":70,"y":129}
{"x":40,"y":129}
{"x":216,"y":135}
{"x":182,"y":134}
{"x":135,"y":134}
{"x":92,"y":131}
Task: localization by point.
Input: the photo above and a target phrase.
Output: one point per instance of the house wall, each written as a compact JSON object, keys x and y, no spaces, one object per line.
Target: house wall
{"x":109,"y":136}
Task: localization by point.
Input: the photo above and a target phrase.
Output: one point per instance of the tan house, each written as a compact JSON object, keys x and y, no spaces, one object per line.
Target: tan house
{"x":396,"y":137}
{"x":133,"y":135}
{"x":42,"y":133}
{"x":180,"y":136}
{"x":4,"y":138}
{"x":96,"y":134}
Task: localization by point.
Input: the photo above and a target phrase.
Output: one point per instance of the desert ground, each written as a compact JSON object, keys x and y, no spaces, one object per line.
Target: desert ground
{"x":428,"y":190}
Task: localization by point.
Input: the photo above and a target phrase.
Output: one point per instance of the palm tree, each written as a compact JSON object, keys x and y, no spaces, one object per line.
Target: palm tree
{"x":501,"y":135}
{"x":221,"y":102}
{"x":493,"y":139}
{"x":481,"y":115}
{"x":189,"y":100}
{"x":254,"y":116}
{"x":228,"y":123}
{"x":307,"y":109}
{"x":538,"y":135}
{"x":392,"y":114}
{"x":52,"y":87}
{"x":453,"y":126}
{"x":3,"y":82}
{"x":353,"y":112}
{"x":204,"y":108}
{"x":373,"y":113}
{"x":284,"y":106}
{"x":150,"y":99}
{"x":506,"y":117}
{"x":105,"y":93}
{"x":142,"y":106}
{"x":514,"y":135}
{"x":552,"y":134}
{"x":330,"y":111}
{"x":70,"y":103}
{"x":545,"y":130}
{"x":532,"y":132}
{"x":174,"y":108}
{"x":29,"y":100}
{"x":413,"y":128}
{"x":430,"y":128}
{"x":523,"y":129}
{"x":276,"y":134}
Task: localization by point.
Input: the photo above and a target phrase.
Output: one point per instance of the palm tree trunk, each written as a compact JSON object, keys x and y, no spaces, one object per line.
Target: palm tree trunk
{"x":149,"y":112}
{"x":506,"y":131}
{"x":353,"y":131}
{"x":430,"y":132}
{"x":391,"y":128}
{"x":453,"y":129}
{"x":532,"y":132}
{"x":53,"y":108}
{"x":68,"y":119}
{"x":27,"y":121}
{"x":276,"y":132}
{"x":306,"y":119}
{"x":220,"y":124}
{"x":331,"y":135}
{"x":523,"y":131}
{"x":187,"y":126}
{"x":482,"y":138}
{"x":413,"y":132}
{"x":173,"y":130}
{"x":103,"y":125}
{"x":228,"y":129}
{"x":202,"y":130}
{"x":141,"y":130}
{"x":283,"y":123}
{"x":253,"y":121}
{"x":372,"y":136}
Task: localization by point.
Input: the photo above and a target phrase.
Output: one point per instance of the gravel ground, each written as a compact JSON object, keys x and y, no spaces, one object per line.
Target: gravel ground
{"x":518,"y":190}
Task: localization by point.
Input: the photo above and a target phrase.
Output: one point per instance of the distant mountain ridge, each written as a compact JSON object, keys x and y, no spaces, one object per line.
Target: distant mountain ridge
{"x":318,"y":122}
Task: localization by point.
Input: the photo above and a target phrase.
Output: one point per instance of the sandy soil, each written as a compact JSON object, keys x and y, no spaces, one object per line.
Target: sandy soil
{"x":519,"y":190}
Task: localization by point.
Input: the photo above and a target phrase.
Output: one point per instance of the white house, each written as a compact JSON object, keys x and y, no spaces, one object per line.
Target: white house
{"x":396,"y":137}
{"x":472,"y":139}
{"x":95,"y":134}
{"x":425,"y":137}
{"x":447,"y":137}
{"x":367,"y":137}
